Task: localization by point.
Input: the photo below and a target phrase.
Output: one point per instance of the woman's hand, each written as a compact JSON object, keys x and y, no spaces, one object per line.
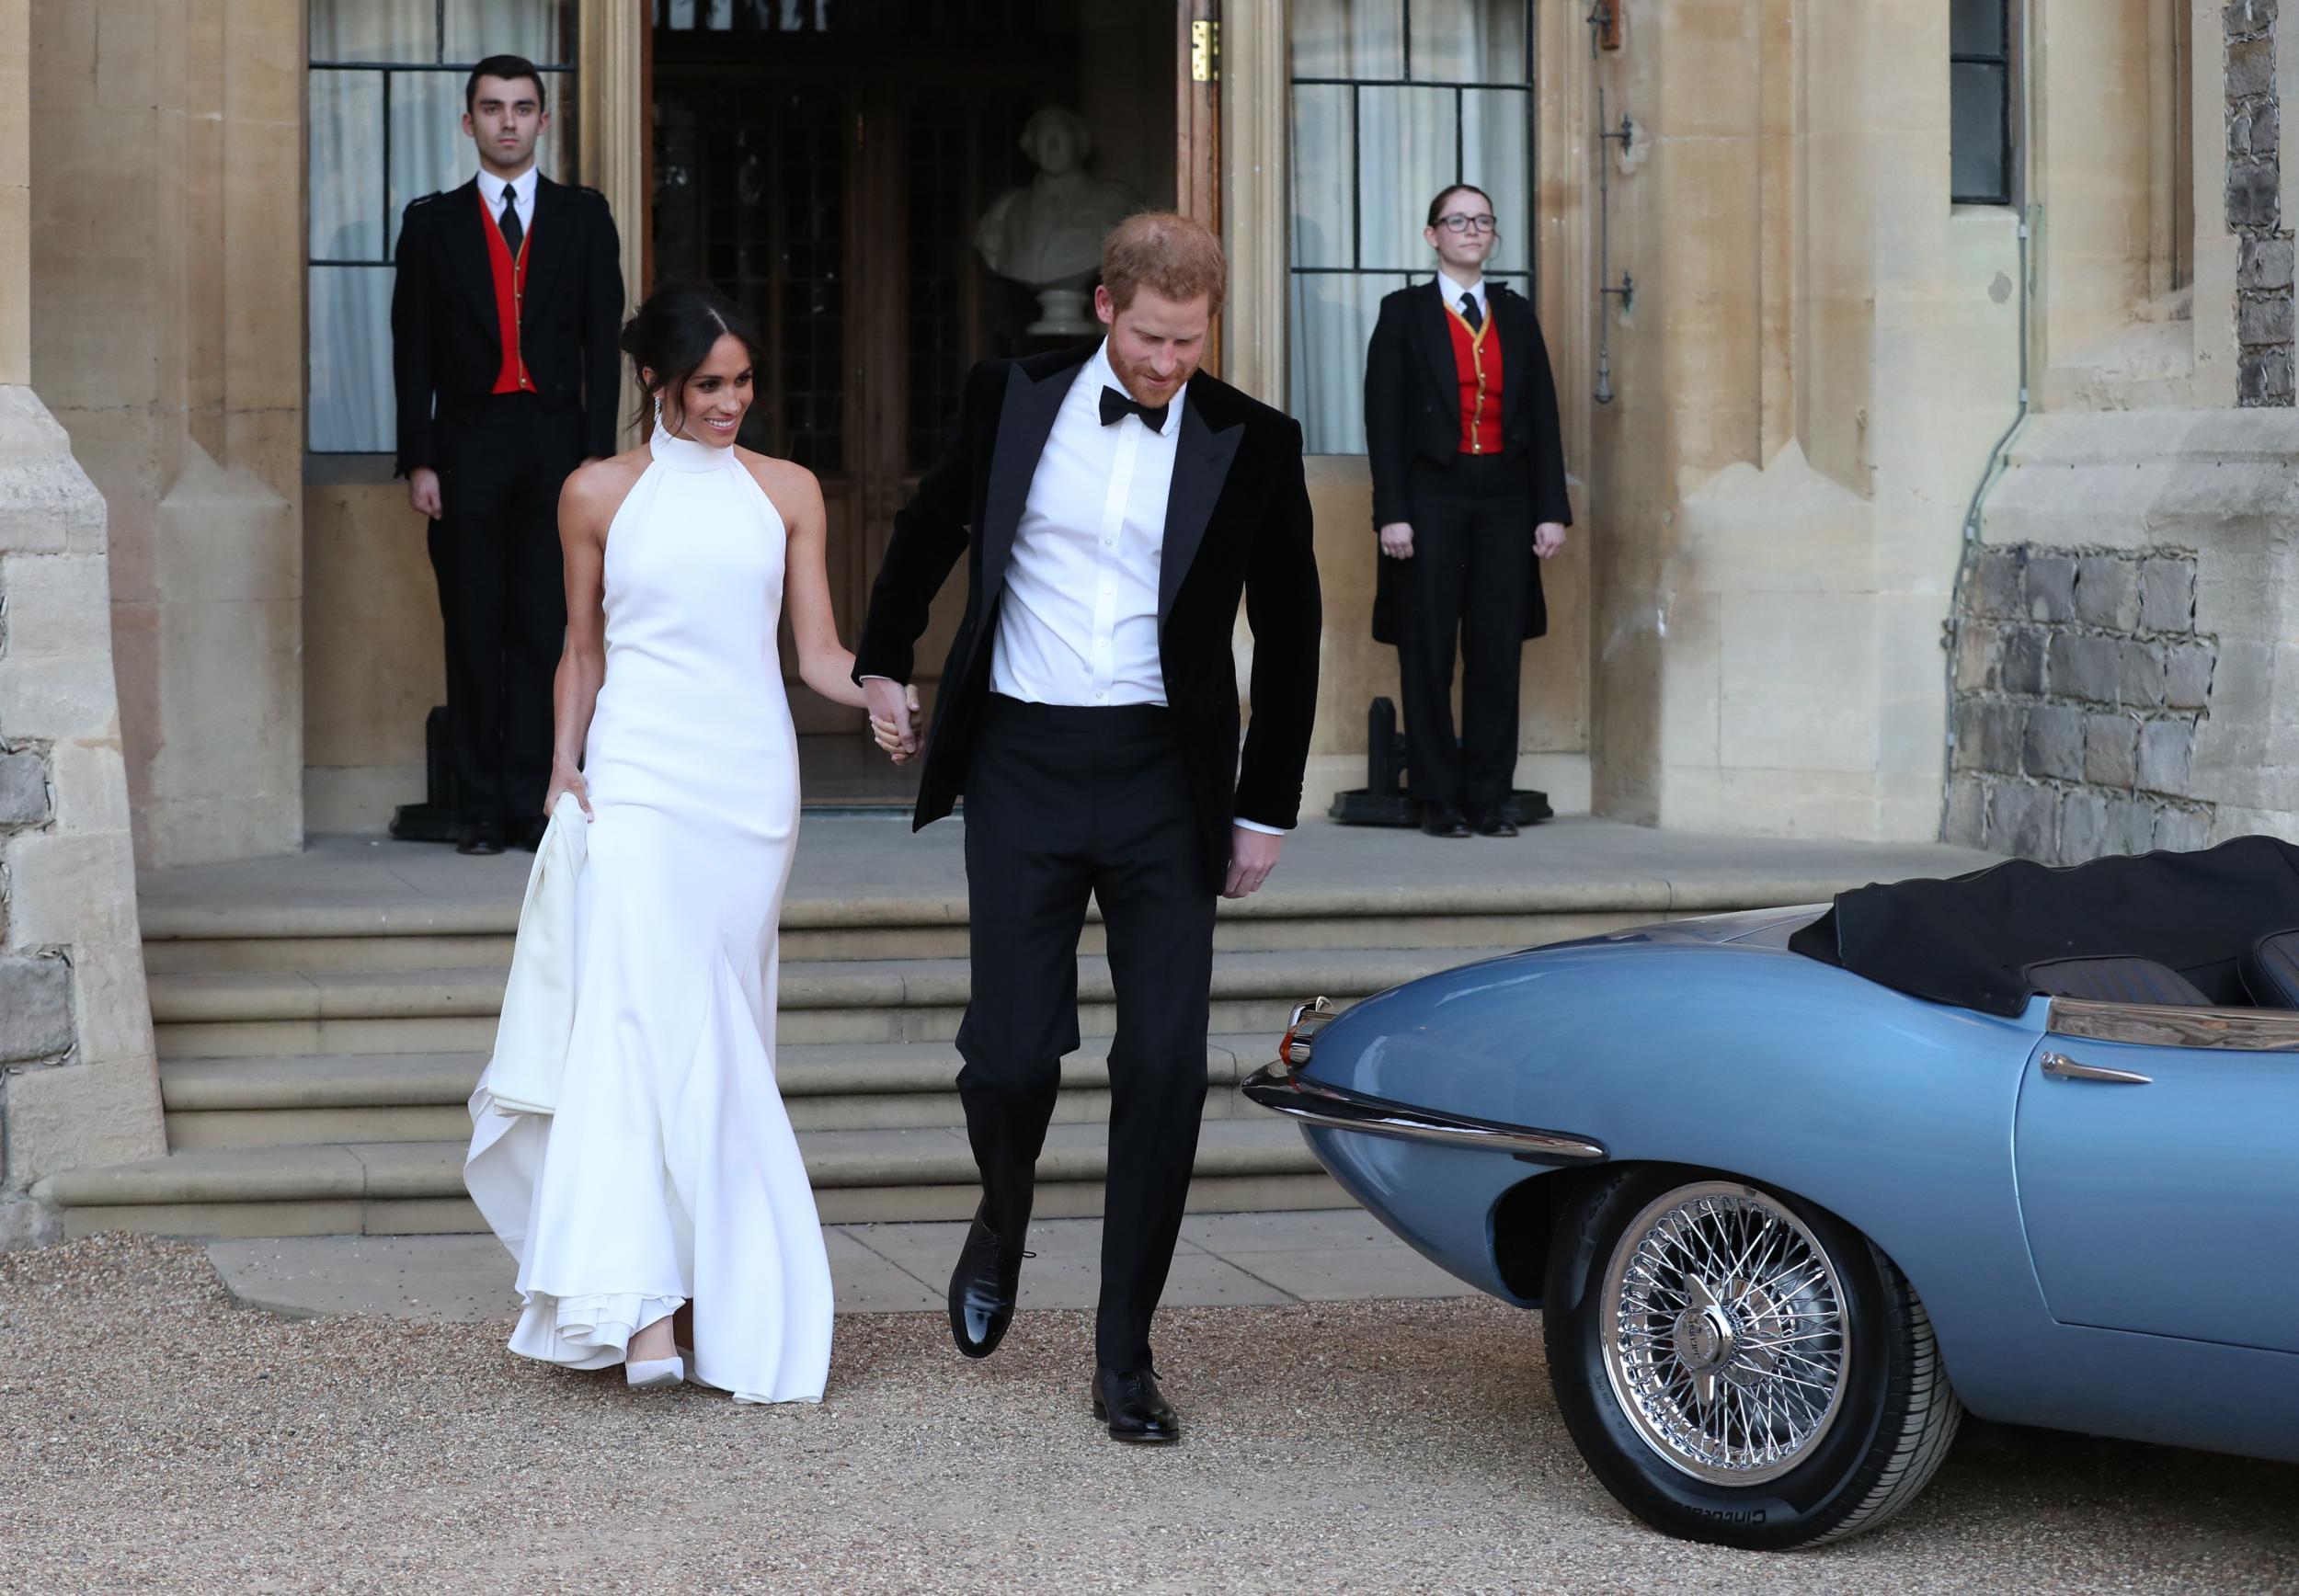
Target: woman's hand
{"x":898,"y":738}
{"x":1397,"y":539}
{"x":564,"y":778}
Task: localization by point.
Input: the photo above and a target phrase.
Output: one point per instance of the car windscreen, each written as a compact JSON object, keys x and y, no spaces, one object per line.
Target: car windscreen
{"x":1970,"y":940}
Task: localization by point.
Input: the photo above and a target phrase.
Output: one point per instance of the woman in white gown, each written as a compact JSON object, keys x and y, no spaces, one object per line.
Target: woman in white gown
{"x":665,"y":1176}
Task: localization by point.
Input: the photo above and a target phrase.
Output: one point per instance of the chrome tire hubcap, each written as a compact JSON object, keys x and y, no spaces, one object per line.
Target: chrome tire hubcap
{"x":1725,"y":1333}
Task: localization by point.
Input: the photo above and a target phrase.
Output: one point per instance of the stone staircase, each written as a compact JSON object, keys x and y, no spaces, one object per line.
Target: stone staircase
{"x":316,"y":1056}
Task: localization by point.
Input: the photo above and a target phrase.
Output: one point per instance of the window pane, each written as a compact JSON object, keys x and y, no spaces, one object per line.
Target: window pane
{"x":542,"y":31}
{"x":1494,"y":127}
{"x":1405,"y":154}
{"x":1976,"y":28}
{"x":1332,"y":323}
{"x":350,"y":400}
{"x":373,"y":31}
{"x":429,"y":149}
{"x":1469,"y":41}
{"x":1321,"y":181}
{"x":1348,"y":38}
{"x":347,"y":174}
{"x":1976,"y":110}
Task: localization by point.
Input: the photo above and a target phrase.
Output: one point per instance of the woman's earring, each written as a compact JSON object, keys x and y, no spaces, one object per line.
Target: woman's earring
{"x":658,"y":410}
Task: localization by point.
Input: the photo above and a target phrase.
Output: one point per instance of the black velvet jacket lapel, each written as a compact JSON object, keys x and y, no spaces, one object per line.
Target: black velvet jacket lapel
{"x":548,"y":255}
{"x":1513,"y":319}
{"x":1437,"y":341}
{"x":466,"y":246}
{"x":1026,"y":420}
{"x":1201,"y":465}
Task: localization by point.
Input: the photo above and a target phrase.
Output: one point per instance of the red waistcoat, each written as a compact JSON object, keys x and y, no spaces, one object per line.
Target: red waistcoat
{"x":510,"y":294}
{"x":1477,"y":356}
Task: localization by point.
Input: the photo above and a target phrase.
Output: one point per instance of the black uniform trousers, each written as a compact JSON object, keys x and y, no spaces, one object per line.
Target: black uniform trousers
{"x":502,"y":594}
{"x":1472,"y":541}
{"x":1062,"y":803}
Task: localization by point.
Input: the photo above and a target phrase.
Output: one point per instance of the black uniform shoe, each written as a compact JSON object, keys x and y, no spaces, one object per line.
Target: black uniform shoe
{"x":1133,"y":1409}
{"x":1442,"y":820}
{"x":479,"y":836}
{"x":982,"y":1290}
{"x":1493,"y":822}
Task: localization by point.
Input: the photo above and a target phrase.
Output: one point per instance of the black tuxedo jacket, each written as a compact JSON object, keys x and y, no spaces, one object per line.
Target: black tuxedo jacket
{"x":445,"y":345}
{"x":1237,"y":522}
{"x":1413,"y":408}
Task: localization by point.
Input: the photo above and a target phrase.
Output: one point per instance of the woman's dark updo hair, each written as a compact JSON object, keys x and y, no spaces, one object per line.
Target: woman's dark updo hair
{"x":672,"y":335}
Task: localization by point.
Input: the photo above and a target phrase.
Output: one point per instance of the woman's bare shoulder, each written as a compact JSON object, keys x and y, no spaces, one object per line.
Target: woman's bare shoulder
{"x":791,"y":485}
{"x":598,"y":489}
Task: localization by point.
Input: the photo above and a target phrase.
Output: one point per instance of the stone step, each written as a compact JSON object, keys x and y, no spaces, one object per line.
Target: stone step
{"x":1255,"y":1162}
{"x":348,"y":1012}
{"x":249,"y":1103}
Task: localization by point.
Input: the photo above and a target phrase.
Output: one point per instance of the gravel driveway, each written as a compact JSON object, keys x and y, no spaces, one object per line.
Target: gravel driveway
{"x":153,"y":1437}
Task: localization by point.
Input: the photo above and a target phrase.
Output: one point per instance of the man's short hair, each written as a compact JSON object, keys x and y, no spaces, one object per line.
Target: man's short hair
{"x":1166,"y":251}
{"x":506,"y":67}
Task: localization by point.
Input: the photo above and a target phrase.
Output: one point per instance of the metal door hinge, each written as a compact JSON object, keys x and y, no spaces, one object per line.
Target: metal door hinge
{"x":1204,"y":52}
{"x":2066,"y":1068}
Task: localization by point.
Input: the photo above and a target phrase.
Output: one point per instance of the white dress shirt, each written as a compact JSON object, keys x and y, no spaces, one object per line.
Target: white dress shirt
{"x":1080,"y":621}
{"x":523,"y":189}
{"x":1453,"y":291}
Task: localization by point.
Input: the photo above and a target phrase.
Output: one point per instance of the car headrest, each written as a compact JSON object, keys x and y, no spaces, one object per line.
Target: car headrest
{"x":2116,"y":980}
{"x":2270,"y":969}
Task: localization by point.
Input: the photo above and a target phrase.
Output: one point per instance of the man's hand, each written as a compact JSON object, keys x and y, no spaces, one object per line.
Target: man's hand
{"x":1397,"y":539}
{"x":1547,"y":538}
{"x":893,"y":705}
{"x":1253,"y":855}
{"x":423,"y":491}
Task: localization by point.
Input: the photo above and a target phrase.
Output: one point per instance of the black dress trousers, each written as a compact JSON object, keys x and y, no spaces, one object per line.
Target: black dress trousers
{"x":502,"y":593}
{"x":1472,"y":542}
{"x":1062,"y":803}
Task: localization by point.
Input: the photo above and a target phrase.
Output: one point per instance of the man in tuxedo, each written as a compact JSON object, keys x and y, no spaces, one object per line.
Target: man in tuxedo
{"x":1468,"y":496}
{"x":504,"y":321}
{"x":1112,"y":504}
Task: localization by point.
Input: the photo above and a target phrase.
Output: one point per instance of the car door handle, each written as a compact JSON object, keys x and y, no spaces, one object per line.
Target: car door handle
{"x":2066,"y":1068}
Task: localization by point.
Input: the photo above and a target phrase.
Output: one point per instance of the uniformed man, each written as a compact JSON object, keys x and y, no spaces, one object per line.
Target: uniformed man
{"x":504,"y":324}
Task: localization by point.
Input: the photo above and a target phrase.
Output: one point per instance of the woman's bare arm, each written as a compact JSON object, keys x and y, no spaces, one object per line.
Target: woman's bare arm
{"x":587,"y":505}
{"x":824,"y":664}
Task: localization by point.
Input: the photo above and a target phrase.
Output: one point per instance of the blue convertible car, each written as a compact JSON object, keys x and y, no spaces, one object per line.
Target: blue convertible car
{"x":1798,"y":1189}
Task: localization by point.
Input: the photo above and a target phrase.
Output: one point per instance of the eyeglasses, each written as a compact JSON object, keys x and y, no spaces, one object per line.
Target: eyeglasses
{"x":1468,"y":223}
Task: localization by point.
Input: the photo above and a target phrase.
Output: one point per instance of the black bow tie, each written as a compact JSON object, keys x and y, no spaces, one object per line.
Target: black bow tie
{"x":1116,"y":406}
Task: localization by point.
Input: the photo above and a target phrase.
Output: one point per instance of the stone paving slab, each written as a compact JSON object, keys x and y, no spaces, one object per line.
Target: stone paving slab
{"x":1224,"y":1261}
{"x":851,"y":866}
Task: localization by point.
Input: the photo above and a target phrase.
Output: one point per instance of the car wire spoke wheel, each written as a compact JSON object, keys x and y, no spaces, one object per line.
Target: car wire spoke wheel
{"x":1725,"y":1334}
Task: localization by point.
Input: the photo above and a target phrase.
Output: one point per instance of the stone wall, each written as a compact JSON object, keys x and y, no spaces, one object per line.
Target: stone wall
{"x":78,"y":1084}
{"x":2127,"y":638}
{"x":2080,"y":681}
{"x":2263,"y":269}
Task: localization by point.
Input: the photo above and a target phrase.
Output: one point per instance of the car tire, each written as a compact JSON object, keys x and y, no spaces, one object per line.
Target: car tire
{"x":1684,"y":1383}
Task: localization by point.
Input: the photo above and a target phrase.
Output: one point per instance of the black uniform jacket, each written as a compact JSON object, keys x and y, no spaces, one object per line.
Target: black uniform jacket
{"x":445,"y":343}
{"x":1237,"y":522}
{"x":1412,"y":407}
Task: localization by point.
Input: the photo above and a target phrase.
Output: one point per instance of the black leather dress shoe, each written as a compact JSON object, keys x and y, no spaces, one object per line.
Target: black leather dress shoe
{"x":982,"y":1290}
{"x":1133,"y":1409}
{"x":479,"y":836}
{"x":1493,"y":822}
{"x":1442,"y":820}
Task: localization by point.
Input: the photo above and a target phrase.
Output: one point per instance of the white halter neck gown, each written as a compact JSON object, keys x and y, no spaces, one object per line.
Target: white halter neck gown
{"x":668,"y":1171}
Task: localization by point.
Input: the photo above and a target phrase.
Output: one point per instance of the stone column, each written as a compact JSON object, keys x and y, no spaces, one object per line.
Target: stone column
{"x":613,"y":149}
{"x":77,"y":1080}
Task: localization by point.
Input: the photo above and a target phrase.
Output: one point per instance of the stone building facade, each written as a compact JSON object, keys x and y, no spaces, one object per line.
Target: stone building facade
{"x":1826,"y":411}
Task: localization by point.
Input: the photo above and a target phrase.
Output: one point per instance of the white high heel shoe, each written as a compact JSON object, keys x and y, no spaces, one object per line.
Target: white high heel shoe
{"x":654,"y":1374}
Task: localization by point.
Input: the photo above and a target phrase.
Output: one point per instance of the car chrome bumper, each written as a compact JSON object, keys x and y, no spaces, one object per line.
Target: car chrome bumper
{"x":1277,"y":1086}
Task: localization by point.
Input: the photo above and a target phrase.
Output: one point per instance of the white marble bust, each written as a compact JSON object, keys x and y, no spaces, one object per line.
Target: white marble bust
{"x":1047,"y":234}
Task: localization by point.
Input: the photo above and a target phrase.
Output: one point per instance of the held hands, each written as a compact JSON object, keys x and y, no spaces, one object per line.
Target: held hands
{"x":423,"y":491}
{"x":893,"y":717}
{"x":1547,"y":538}
{"x":1397,"y":541}
{"x":1253,"y":855}
{"x":564,"y":778}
